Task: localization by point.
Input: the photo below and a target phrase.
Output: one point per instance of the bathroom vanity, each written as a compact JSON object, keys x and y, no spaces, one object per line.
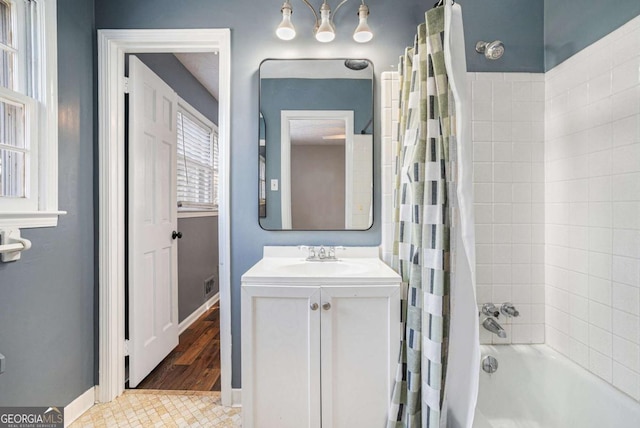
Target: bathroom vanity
{"x":320,"y":339}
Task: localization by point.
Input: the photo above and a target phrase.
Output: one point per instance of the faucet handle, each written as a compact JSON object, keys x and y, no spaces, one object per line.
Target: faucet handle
{"x":509,"y":310}
{"x":322,"y":252}
{"x":489,"y":309}
{"x":312,"y":251}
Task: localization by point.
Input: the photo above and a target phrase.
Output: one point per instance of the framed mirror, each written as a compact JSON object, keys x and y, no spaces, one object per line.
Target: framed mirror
{"x":316,"y":144}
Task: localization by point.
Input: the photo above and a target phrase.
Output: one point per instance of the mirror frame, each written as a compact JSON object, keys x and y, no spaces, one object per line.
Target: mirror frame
{"x":371,"y":125}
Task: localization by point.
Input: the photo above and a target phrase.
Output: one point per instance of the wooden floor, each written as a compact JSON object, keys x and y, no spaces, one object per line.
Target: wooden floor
{"x":194,"y":365}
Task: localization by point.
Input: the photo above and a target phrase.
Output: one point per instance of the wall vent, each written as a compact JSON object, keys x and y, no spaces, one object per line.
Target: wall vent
{"x":209,"y":285}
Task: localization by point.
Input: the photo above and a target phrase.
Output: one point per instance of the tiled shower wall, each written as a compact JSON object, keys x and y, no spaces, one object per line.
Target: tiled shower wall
{"x":361,"y":181}
{"x":390,"y":94}
{"x":508,"y":160}
{"x":508,"y":141}
{"x":593,"y":208}
{"x":558,"y":152}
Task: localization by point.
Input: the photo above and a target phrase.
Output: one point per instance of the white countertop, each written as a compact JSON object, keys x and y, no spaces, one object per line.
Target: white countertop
{"x":287,"y":265}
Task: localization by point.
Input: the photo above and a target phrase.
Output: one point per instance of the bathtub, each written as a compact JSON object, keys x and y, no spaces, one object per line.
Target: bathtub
{"x":536,"y":387}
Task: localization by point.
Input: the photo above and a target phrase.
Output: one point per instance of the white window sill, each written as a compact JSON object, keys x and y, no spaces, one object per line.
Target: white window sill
{"x":26,"y":220}
{"x":194,"y":214}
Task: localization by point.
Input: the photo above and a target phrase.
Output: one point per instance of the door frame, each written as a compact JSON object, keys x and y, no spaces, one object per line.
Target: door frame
{"x":285,"y":157}
{"x":112,"y":47}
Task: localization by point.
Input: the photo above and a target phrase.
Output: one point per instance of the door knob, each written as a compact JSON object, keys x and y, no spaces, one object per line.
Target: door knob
{"x":175,"y":235}
{"x":326,"y":306}
{"x":314,"y":306}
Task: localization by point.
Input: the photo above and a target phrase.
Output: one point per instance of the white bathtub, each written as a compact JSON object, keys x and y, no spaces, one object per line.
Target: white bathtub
{"x":536,"y":387}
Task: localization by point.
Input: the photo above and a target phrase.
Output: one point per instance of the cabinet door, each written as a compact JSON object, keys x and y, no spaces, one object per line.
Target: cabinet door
{"x":280,"y":357}
{"x":360,"y":333}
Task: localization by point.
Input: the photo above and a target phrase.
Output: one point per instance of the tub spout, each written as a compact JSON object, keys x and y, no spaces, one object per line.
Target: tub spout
{"x":494,"y":327}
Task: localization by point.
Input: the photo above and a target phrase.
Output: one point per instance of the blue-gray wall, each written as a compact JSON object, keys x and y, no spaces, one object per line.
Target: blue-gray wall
{"x":306,"y":94}
{"x":47,"y":298}
{"x":176,"y":75}
{"x":197,"y":261}
{"x":252,"y":40}
{"x":517,"y":23}
{"x":572,"y":25}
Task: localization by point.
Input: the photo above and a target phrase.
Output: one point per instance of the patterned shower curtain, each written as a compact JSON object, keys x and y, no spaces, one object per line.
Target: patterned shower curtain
{"x":423,"y":197}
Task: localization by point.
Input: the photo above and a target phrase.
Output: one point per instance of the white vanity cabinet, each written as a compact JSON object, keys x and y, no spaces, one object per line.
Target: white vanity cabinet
{"x":319,"y":351}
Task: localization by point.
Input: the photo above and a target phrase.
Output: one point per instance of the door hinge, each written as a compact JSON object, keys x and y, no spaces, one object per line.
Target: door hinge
{"x":125,"y":82}
{"x":126,"y":347}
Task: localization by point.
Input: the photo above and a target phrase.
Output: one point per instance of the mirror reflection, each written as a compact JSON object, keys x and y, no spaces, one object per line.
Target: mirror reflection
{"x":316,"y":145}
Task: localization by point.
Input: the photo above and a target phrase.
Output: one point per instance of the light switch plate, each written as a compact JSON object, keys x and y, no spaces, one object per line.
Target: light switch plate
{"x":1,"y":363}
{"x":274,"y":184}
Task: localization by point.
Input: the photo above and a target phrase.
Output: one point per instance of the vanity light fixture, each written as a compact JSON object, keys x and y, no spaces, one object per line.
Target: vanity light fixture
{"x":286,"y":30}
{"x":324,"y":29}
{"x":325,"y":32}
{"x":363,"y":32}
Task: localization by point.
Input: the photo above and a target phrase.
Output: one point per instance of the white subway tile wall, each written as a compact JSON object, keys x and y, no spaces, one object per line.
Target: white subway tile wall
{"x":508,"y":152}
{"x":390,"y":95}
{"x":592,"y":166}
{"x":508,"y":160}
{"x":557,"y":202}
{"x":361,"y":181}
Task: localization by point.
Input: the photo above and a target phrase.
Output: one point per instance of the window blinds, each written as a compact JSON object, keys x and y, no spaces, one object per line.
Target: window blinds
{"x":197,"y":164}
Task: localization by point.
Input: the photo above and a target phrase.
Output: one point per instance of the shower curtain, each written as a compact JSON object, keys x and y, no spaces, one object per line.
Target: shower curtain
{"x":434,"y":248}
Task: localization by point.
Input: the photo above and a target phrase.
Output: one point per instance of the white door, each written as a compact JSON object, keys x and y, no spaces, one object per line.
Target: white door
{"x":360,"y":336}
{"x":281,"y":357}
{"x":153,"y":292}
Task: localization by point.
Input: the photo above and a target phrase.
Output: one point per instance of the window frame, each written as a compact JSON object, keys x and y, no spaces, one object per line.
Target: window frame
{"x":187,"y":109}
{"x":30,"y":201}
{"x":42,"y":208}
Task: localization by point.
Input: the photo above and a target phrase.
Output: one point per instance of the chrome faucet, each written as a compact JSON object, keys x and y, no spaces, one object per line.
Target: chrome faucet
{"x":490,"y":310}
{"x":494,"y":327}
{"x":321,"y":254}
{"x":312,"y":251}
{"x":508,"y":310}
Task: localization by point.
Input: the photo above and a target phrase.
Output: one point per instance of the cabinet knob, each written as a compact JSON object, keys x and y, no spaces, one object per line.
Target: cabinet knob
{"x":314,"y":306}
{"x":326,"y":306}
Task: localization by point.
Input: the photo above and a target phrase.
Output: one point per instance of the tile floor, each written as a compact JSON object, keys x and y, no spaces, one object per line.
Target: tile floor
{"x":153,"y":408}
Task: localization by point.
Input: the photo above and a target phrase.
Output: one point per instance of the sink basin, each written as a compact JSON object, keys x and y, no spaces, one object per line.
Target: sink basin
{"x":288,"y":265}
{"x":329,"y":268}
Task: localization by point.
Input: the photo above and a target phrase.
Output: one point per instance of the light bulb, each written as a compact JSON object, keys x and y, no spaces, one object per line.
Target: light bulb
{"x":286,"y":30}
{"x":363,"y":32}
{"x":325,"y":32}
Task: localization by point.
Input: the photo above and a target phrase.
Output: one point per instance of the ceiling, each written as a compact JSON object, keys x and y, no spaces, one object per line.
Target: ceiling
{"x":326,"y":132}
{"x":205,"y":67}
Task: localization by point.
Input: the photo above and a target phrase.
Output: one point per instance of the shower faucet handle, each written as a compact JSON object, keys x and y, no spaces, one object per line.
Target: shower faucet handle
{"x":490,"y":310}
{"x":509,"y":310}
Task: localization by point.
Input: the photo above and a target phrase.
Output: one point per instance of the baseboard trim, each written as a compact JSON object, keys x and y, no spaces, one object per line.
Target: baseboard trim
{"x":236,"y":397}
{"x":77,"y":407}
{"x":186,"y":323}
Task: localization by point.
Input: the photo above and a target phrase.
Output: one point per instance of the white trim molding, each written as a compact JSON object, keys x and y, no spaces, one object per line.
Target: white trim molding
{"x":285,"y":156}
{"x":195,"y":213}
{"x":77,"y":407}
{"x":236,"y":395}
{"x":188,"y":321}
{"x":43,"y":210}
{"x":112,"y":47}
